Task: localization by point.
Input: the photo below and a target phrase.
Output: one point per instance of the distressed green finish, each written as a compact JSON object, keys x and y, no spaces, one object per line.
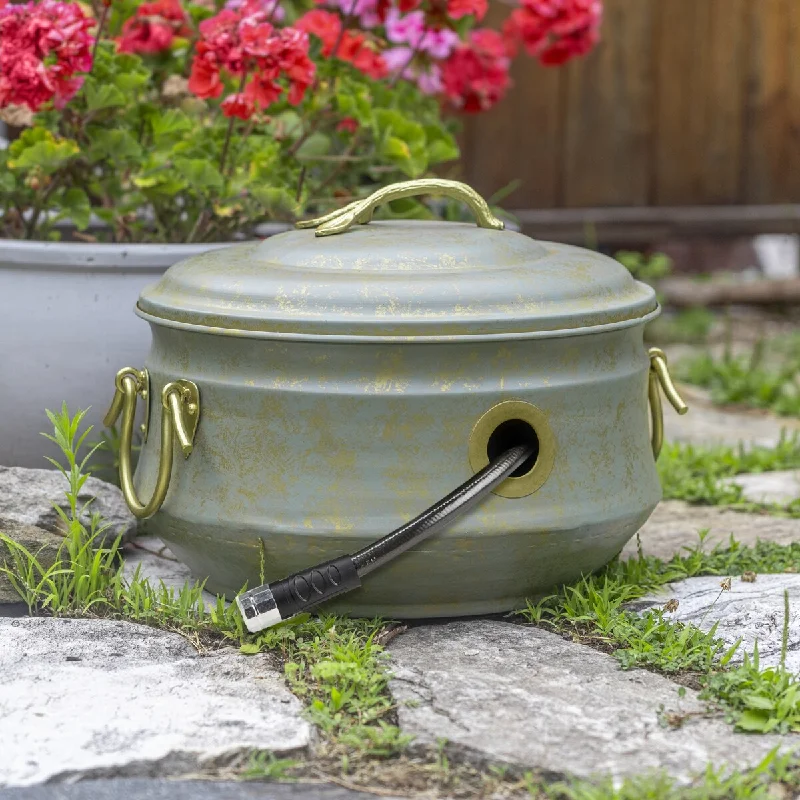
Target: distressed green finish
{"x":320,"y":435}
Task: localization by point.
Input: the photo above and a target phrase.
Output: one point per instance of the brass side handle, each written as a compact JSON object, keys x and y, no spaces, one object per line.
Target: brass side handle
{"x":180,"y":413}
{"x":659,"y":380}
{"x":361,"y":211}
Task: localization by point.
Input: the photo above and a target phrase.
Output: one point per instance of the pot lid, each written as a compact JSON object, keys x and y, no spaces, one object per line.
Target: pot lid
{"x":399,"y":279}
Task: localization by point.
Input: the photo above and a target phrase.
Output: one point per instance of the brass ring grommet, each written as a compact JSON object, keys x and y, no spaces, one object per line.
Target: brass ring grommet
{"x":484,"y":428}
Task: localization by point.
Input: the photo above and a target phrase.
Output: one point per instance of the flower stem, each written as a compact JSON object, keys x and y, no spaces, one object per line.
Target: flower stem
{"x":226,"y":145}
{"x":101,"y":23}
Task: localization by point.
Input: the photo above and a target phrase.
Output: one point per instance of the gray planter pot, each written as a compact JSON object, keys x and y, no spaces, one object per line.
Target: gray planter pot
{"x":66,"y":326}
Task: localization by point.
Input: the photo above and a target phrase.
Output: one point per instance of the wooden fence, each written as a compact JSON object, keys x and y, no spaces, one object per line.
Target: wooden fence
{"x":685,"y":102}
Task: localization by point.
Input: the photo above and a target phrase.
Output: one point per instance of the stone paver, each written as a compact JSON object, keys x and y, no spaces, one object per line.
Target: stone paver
{"x":674,"y":525}
{"x":27,"y":496}
{"x":526,"y":696}
{"x":138,"y":789}
{"x":780,"y":487}
{"x":748,"y":611}
{"x":706,"y":424}
{"x":106,"y":698}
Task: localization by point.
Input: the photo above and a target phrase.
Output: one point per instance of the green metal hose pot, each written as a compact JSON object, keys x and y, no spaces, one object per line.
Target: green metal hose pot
{"x":306,"y":394}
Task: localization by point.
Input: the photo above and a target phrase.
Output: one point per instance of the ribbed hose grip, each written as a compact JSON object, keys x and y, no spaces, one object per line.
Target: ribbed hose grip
{"x":268,"y":605}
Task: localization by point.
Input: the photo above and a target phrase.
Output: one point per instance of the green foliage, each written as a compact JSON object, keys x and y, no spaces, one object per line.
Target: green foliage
{"x":758,"y":700}
{"x":689,"y":326}
{"x":645,"y":266}
{"x":335,"y":665}
{"x":593,"y":610}
{"x":87,"y":579}
{"x":158,"y":167}
{"x":265,"y":765}
{"x":748,"y":379}
{"x":694,"y":473}
{"x":763,"y":782}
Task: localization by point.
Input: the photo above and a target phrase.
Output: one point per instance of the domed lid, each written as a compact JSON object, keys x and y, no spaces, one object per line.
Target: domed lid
{"x":399,"y":280}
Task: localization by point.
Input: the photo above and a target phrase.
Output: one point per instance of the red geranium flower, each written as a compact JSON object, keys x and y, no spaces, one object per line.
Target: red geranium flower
{"x":554,"y":30}
{"x":237,"y":105}
{"x":42,"y":47}
{"x":204,"y":80}
{"x":475,"y":76}
{"x":463,"y":8}
{"x":353,"y":46}
{"x":325,"y":25}
{"x":154,"y":27}
{"x":244,"y":44}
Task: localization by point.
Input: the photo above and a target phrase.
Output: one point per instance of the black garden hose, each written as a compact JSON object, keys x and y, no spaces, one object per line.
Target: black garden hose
{"x":272,"y":603}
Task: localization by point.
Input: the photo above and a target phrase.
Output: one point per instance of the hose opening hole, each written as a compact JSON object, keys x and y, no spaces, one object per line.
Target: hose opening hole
{"x":511,"y":433}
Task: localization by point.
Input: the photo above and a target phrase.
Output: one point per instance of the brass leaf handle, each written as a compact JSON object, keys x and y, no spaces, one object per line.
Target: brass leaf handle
{"x":361,"y":211}
{"x":659,"y":380}
{"x":180,"y":413}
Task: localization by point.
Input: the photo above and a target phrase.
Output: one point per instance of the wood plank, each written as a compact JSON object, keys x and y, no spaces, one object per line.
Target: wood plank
{"x":701,"y":57}
{"x":772,"y":137}
{"x":645,"y":225}
{"x":520,"y":138}
{"x":609,"y":122}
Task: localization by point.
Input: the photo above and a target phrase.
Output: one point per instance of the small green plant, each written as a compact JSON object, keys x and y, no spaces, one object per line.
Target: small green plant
{"x":336,"y":666}
{"x":748,"y":379}
{"x":81,"y":577}
{"x":86,"y":578}
{"x":645,"y":266}
{"x":265,"y":765}
{"x":765,"y":781}
{"x":695,"y":473}
{"x":762,"y":701}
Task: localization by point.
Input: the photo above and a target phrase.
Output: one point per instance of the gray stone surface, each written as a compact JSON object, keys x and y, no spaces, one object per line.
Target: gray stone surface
{"x":138,"y":789}
{"x":28,"y":495}
{"x":529,"y":697}
{"x":782,"y":487}
{"x":708,"y":425}
{"x":751,"y":611}
{"x":102,"y":698}
{"x":41,"y":543}
{"x":156,"y":563}
{"x":674,"y":525}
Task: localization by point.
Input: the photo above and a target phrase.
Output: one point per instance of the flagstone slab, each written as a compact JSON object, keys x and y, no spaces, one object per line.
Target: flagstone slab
{"x":674,"y":526}
{"x":528,"y":697}
{"x":103,"y":698}
{"x":751,"y":610}
{"x":780,"y":487}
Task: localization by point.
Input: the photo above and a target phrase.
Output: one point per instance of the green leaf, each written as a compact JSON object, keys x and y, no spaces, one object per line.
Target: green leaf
{"x":443,"y":150}
{"x":102,"y":95}
{"x":318,"y":144}
{"x":275,"y":200}
{"x":76,"y":206}
{"x":7,"y":181}
{"x":396,"y":148}
{"x":41,"y":150}
{"x":250,"y":648}
{"x":753,"y":721}
{"x":172,"y":122}
{"x":758,"y":701}
{"x":200,"y":173}
{"x":114,"y":144}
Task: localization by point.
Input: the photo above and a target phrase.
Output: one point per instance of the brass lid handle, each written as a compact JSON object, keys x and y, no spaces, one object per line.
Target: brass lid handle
{"x":361,"y":211}
{"x":659,"y":377}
